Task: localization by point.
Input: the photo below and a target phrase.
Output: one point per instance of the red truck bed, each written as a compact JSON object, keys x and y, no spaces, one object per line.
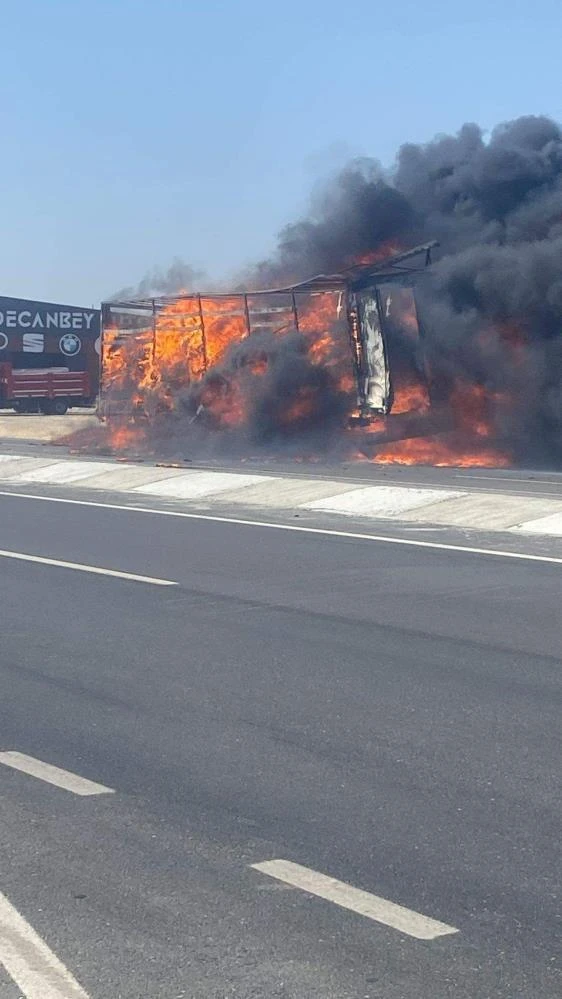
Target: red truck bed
{"x":20,"y":384}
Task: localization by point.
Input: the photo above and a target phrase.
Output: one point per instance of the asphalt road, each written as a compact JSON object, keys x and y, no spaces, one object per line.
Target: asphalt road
{"x":385,"y":715}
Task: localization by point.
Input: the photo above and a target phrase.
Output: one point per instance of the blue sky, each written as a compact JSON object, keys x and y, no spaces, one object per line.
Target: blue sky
{"x":135,"y":131}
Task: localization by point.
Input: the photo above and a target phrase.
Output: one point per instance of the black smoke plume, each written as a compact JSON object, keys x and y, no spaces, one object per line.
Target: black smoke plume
{"x":491,"y":306}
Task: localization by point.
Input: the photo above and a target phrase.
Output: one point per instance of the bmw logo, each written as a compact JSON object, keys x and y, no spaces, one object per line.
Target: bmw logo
{"x":70,"y":344}
{"x":3,"y":341}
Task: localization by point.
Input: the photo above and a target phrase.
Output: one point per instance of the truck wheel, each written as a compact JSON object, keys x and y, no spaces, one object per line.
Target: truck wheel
{"x":24,"y":406}
{"x":60,"y":407}
{"x":54,"y":407}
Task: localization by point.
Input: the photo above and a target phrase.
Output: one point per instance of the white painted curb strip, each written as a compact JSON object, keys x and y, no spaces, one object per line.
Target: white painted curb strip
{"x":382,"y":501}
{"x":478,"y":510}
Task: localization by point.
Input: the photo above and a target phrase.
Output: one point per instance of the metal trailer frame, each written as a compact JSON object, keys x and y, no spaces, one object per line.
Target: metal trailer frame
{"x":350,"y":284}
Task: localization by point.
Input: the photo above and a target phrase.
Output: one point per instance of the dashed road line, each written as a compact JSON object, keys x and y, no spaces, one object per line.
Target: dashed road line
{"x":53,"y":775}
{"x":37,"y":972}
{"x":80,"y":567}
{"x":414,"y":924}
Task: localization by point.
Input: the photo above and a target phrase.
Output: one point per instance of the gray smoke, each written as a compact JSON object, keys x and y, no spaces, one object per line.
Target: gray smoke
{"x":177,"y":278}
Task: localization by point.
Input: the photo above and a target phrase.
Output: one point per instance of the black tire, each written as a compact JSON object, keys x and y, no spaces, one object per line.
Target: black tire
{"x":25,"y":406}
{"x":54,"y":407}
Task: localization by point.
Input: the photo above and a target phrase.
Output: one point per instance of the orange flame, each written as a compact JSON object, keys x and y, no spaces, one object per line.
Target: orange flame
{"x":475,"y":411}
{"x":412,"y":398}
{"x":387,"y":249}
{"x":476,"y":408}
{"x":440,"y":453}
{"x":125,"y":437}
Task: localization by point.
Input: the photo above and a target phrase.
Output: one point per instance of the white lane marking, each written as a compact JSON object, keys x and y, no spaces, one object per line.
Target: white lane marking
{"x":363,"y":902}
{"x":322,"y":531}
{"x":53,"y":775}
{"x":96,"y":570}
{"x":37,"y":972}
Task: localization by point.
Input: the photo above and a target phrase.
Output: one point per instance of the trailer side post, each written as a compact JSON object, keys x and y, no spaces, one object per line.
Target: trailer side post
{"x":203,"y":333}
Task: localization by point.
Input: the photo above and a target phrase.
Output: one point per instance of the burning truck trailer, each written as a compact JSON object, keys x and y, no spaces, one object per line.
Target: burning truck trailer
{"x":337,"y":365}
{"x":333,"y":357}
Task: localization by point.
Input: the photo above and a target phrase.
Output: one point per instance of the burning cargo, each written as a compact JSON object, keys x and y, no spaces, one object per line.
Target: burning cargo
{"x":308,"y":359}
